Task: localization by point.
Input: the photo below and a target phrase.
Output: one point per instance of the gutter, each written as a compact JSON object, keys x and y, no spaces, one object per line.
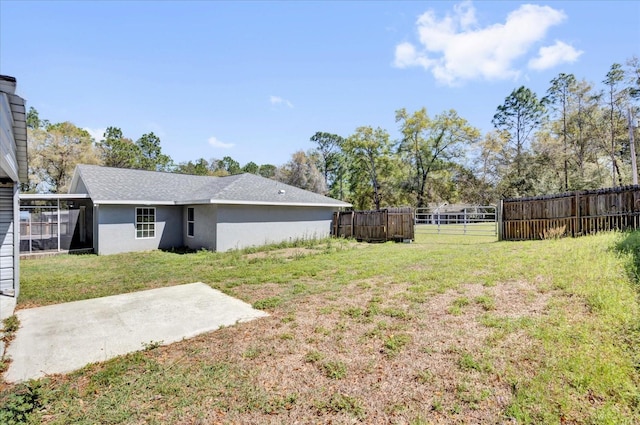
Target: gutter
{"x":53,"y":196}
{"x":217,"y":202}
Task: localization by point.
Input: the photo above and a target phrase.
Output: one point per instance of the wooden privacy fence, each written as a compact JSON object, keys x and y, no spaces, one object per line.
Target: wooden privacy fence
{"x":395,"y":224}
{"x":570,"y":214}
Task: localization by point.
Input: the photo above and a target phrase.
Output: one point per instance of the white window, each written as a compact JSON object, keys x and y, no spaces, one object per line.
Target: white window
{"x":191,"y":221}
{"x":145,"y":223}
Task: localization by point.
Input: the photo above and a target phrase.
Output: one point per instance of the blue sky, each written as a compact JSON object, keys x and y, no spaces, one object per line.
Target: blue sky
{"x":255,"y":80}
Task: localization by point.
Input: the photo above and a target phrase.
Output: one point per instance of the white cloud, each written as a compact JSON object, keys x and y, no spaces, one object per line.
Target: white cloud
{"x":406,"y":56}
{"x":550,"y":56}
{"x":96,"y":133}
{"x":456,"y":49}
{"x":277,"y":100}
{"x":218,"y":144}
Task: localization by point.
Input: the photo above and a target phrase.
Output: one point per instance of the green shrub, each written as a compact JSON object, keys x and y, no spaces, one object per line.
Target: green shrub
{"x":17,"y":405}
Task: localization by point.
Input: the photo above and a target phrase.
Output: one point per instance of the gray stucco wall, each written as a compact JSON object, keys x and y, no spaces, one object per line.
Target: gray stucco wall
{"x":204,"y":236}
{"x":80,"y":187}
{"x":117,"y":233}
{"x":245,"y":226}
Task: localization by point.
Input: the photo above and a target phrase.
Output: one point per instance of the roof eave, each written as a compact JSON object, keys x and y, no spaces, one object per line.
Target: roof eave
{"x":17,"y":105}
{"x":53,"y":196}
{"x":131,"y":202}
{"x":275,"y":203}
{"x":217,"y":202}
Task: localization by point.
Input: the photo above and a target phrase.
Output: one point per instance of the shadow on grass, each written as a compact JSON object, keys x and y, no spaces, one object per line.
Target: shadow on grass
{"x":182,"y":250}
{"x":464,"y":240}
{"x":630,"y":244}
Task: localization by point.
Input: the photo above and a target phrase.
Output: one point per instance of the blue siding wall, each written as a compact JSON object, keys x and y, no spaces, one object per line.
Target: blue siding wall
{"x":9,"y":240}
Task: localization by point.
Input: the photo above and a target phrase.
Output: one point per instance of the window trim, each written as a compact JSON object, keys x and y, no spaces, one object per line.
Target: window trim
{"x":139,"y":226}
{"x":191,"y":224}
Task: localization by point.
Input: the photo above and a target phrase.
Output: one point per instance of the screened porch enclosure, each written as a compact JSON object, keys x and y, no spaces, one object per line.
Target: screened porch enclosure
{"x":55,"y":224}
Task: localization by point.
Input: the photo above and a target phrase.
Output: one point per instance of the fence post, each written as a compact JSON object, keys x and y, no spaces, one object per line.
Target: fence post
{"x":334,"y":224}
{"x":353,"y":230}
{"x":578,"y":225}
{"x":385,"y":229}
{"x":464,"y":224}
{"x":30,"y":235}
{"x":58,"y":224}
{"x":500,"y":219}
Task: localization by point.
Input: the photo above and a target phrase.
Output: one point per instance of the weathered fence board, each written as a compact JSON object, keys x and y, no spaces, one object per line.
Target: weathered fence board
{"x":375,"y":226}
{"x":571,"y":214}
{"x":400,"y":224}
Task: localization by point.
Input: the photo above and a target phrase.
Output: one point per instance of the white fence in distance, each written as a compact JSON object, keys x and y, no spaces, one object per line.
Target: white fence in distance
{"x":470,"y":221}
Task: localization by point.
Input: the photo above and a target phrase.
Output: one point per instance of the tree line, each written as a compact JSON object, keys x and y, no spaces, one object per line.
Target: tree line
{"x":574,"y":136}
{"x":54,"y":150}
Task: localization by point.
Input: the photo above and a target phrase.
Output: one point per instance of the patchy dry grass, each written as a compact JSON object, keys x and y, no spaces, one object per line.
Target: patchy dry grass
{"x":447,"y":330}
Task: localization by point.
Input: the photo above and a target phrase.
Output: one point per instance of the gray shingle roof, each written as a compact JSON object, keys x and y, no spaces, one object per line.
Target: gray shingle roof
{"x":120,"y":185}
{"x":18,"y":114}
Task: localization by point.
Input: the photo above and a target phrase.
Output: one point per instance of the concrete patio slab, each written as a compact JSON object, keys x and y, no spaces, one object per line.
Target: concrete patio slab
{"x":7,"y":306}
{"x":64,"y":337}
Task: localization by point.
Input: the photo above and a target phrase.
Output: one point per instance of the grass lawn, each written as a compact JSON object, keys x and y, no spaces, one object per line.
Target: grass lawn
{"x":449,"y":329}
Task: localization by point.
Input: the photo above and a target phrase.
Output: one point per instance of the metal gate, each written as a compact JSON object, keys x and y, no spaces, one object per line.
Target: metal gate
{"x":479,"y":220}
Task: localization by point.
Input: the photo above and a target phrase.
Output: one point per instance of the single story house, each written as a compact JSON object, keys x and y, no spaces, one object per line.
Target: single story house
{"x":133,"y":210}
{"x":13,"y":170}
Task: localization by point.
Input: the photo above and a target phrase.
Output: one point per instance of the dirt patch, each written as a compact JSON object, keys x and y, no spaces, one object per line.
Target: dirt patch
{"x":287,"y":253}
{"x":368,"y":355}
{"x":254,"y":293}
{"x":297,"y":252}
